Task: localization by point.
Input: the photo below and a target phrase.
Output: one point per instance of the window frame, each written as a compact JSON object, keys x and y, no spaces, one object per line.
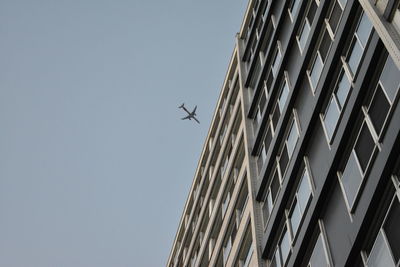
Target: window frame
{"x":325,"y":245}
{"x":293,"y":8}
{"x":305,"y":21}
{"x":295,"y":199}
{"x":294,"y":122}
{"x":381,"y":232}
{"x":317,"y":56}
{"x":351,"y":207}
{"x":285,"y":83}
{"x":275,"y":64}
{"x":349,"y":48}
{"x":342,"y":74}
{"x":330,"y":12}
{"x":267,"y":200}
{"x":392,"y":103}
{"x":365,"y":122}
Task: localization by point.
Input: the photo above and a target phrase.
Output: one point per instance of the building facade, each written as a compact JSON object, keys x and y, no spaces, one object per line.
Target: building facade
{"x":301,"y":165}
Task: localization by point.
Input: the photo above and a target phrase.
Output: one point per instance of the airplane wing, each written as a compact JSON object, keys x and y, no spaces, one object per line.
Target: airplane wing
{"x":194,"y":110}
{"x":196,"y":120}
{"x":187,"y":117}
{"x":187,"y":111}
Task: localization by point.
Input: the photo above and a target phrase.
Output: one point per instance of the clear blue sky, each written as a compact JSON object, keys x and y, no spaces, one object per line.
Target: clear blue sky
{"x":95,"y":163}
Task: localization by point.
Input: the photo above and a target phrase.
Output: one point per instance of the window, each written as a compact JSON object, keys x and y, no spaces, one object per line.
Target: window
{"x":246,"y":251}
{"x":276,"y":259}
{"x":230,"y":237}
{"x":262,"y":156}
{"x":335,"y":14}
{"x":302,"y":39}
{"x":275,"y":116}
{"x":316,"y":70}
{"x":259,"y":111}
{"x":284,"y":246}
{"x":386,"y":248}
{"x":229,"y":241}
{"x":270,"y":197}
{"x":293,"y":7}
{"x":282,"y":251}
{"x":336,"y":105}
{"x":320,"y":56}
{"x":301,"y":200}
{"x":319,"y":256}
{"x":256,"y":74}
{"x":306,"y":25}
{"x":343,"y":3}
{"x":351,"y":179}
{"x":282,"y":161}
{"x":384,"y":96}
{"x":287,"y":148}
{"x":396,"y":18}
{"x":359,"y":160}
{"x":225,"y":203}
{"x":292,"y":137}
{"x":366,"y":145}
{"x":276,"y":59}
{"x":283,"y":95}
{"x":326,"y":38}
{"x":267,"y":38}
{"x":358,"y":43}
{"x":227,"y":249}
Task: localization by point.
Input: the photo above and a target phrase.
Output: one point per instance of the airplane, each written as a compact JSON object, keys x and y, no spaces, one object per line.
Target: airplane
{"x":191,"y":114}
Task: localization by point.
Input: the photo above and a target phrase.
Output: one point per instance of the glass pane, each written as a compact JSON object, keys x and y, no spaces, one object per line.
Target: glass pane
{"x":260,"y":160}
{"x":283,"y":161}
{"x":335,"y":16}
{"x":343,"y":89}
{"x":364,"y":29}
{"x":316,"y":71}
{"x":292,"y":138}
{"x":304,"y":35}
{"x":378,"y":109}
{"x":263,"y":101}
{"x":311,"y":12}
{"x":270,"y":204}
{"x":325,"y":45}
{"x":354,"y":56}
{"x":364,"y":147}
{"x":276,"y":260}
{"x":380,"y":254}
{"x":304,"y":192}
{"x":275,"y":185}
{"x":256,"y":74}
{"x":343,"y":2}
{"x":276,"y":62}
{"x":390,"y":78}
{"x":285,"y":246}
{"x":331,"y":118}
{"x":268,"y":82}
{"x":351,"y":179}
{"x":248,"y":257}
{"x":318,"y":257}
{"x":263,"y":154}
{"x":275,"y":117}
{"x":265,"y":209}
{"x":268,"y":139}
{"x":283,"y":96}
{"x":295,"y":217}
{"x":294,"y":6}
{"x":392,"y":229}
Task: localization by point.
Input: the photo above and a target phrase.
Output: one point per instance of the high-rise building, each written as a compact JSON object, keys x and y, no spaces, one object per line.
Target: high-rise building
{"x":301,"y":165}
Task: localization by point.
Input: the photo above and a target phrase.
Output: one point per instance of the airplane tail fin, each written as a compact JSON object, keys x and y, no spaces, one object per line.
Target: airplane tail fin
{"x":181,"y":106}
